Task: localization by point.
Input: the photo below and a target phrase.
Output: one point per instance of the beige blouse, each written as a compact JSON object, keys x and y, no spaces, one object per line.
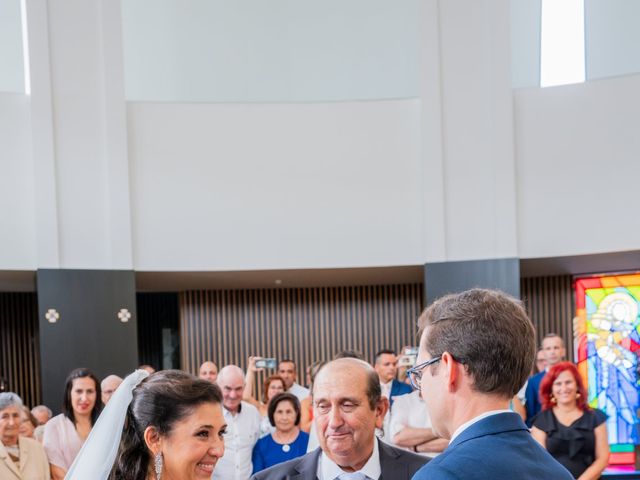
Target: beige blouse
{"x":33,"y":463}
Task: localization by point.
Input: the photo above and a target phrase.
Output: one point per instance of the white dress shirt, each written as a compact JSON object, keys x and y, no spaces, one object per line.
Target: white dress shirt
{"x":383,"y":434}
{"x":522,"y":393}
{"x":329,"y":470}
{"x":386,"y":388}
{"x":409,"y":411}
{"x":299,"y":391}
{"x":243,"y":431}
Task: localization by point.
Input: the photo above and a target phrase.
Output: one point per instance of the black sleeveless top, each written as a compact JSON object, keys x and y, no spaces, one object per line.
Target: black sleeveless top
{"x":573,"y":446}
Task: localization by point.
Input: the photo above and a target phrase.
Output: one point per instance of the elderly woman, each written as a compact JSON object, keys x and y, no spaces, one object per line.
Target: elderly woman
{"x":287,"y":441}
{"x":574,"y":434}
{"x":21,"y":458}
{"x":28,"y":423}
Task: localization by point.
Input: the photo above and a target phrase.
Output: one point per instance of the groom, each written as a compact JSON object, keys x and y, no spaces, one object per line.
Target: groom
{"x":476,"y":350}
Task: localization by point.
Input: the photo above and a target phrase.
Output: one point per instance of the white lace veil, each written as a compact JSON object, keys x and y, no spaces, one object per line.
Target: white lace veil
{"x":98,"y":453}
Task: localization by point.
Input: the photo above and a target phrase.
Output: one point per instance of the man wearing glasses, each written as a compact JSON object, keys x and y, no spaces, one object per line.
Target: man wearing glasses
{"x":476,"y":351}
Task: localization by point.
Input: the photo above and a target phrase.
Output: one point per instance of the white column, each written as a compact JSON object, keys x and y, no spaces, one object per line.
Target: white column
{"x":79,"y":135}
{"x":474,"y":160}
{"x":434,"y":224}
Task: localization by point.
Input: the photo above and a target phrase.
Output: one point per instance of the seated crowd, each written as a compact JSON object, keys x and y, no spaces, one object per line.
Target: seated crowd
{"x":353,"y":417}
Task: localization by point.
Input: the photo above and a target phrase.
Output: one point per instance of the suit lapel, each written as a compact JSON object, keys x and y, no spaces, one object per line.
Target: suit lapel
{"x":4,"y":457}
{"x":307,"y":468}
{"x":393,"y":392}
{"x":389,"y":467}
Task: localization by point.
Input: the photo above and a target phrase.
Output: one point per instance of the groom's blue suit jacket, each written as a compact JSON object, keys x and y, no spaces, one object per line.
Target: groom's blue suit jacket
{"x":498,"y":447}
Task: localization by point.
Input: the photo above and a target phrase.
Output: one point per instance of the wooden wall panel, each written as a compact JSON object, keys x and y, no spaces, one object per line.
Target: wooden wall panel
{"x":305,"y":324}
{"x":550,"y":304}
{"x":227,"y":326}
{"x":19,"y":348}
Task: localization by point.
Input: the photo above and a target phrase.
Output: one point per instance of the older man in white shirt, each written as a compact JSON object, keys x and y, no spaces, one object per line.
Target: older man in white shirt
{"x":243,"y":427}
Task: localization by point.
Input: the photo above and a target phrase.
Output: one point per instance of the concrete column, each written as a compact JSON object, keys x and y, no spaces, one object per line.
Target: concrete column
{"x":451,"y":277}
{"x":89,"y":331}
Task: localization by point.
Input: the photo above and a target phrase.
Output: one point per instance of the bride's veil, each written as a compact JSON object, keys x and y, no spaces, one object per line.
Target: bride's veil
{"x":98,"y":453}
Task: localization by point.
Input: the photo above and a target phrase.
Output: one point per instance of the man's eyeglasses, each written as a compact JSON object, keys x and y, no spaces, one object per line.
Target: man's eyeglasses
{"x":415,"y":373}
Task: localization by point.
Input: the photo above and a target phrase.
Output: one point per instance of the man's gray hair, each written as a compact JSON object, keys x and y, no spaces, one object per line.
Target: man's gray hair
{"x":229,"y":371}
{"x":42,"y":408}
{"x":108,"y":379}
{"x":10,"y":399}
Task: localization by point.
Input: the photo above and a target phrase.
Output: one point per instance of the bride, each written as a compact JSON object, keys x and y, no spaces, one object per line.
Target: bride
{"x":167,"y":426}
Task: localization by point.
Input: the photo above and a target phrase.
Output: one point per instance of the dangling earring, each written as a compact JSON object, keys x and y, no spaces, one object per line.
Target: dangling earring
{"x":553,"y":399}
{"x":158,"y":465}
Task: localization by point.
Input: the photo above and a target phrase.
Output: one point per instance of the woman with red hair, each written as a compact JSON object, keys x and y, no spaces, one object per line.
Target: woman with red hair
{"x":574,"y":434}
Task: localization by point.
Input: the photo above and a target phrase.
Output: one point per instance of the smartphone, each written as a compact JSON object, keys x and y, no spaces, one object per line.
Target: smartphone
{"x":410,"y":351}
{"x":267,"y":363}
{"x":407,"y":360}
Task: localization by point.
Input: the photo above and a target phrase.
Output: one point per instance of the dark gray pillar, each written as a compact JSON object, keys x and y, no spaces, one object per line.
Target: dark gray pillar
{"x":452,"y":277}
{"x":88,"y":332}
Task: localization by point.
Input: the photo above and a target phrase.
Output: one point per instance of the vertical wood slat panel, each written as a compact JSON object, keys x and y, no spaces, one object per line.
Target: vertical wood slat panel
{"x":550,"y":304}
{"x":19,"y":346}
{"x":305,"y":324}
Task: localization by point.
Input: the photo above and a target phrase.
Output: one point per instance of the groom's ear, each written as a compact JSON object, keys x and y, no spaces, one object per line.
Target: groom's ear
{"x":152,"y":439}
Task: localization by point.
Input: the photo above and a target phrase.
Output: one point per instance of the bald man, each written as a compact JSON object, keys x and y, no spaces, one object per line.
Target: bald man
{"x":348,"y":407}
{"x":108,"y":386}
{"x":208,"y":371}
{"x":243,"y":427}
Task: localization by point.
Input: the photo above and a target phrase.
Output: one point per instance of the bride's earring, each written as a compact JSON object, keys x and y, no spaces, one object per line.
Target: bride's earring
{"x":158,"y":465}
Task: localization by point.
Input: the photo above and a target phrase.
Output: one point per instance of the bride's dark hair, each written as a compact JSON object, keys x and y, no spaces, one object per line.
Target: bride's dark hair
{"x":161,"y":400}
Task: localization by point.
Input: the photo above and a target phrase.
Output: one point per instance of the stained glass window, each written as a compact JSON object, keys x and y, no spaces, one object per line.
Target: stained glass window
{"x":607,"y":342}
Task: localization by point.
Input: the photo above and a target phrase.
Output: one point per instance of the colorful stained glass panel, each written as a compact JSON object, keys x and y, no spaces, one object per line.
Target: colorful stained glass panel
{"x":608,"y":339}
